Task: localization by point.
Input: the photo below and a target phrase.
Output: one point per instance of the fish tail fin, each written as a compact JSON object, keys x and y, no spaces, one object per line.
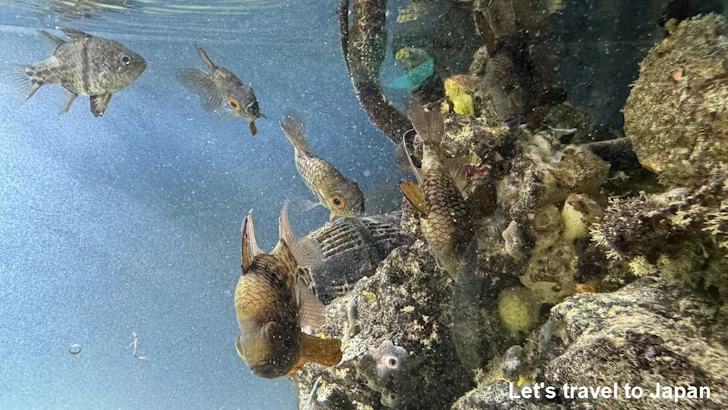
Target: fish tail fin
{"x":292,"y":126}
{"x":23,"y":78}
{"x":428,"y":123}
{"x":200,"y":83}
{"x":205,"y":58}
{"x":326,"y":352}
{"x":305,"y":251}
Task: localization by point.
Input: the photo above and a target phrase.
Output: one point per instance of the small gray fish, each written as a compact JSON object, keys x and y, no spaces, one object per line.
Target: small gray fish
{"x":218,"y":85}
{"x":338,"y":194}
{"x":87,"y":65}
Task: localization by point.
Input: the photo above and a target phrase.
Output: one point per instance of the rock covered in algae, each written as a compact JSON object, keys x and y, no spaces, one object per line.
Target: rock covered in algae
{"x":677,"y":112}
{"x":680,"y":235}
{"x":403,"y":356}
{"x":646,"y":333}
{"x":543,"y":172}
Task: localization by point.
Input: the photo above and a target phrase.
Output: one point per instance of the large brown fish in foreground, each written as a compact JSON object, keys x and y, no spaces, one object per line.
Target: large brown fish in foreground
{"x":445,"y":220}
{"x":218,"y":85}
{"x":87,"y":65}
{"x":340,"y":195}
{"x":272,"y":305}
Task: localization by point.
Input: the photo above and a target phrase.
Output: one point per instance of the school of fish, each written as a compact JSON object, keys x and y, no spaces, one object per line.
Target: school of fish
{"x":276,"y":310}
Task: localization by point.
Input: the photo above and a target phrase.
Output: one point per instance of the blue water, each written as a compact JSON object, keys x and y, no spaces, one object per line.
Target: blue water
{"x":130,"y":222}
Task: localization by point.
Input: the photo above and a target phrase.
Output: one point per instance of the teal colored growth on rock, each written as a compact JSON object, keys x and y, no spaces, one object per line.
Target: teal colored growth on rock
{"x":414,"y":77}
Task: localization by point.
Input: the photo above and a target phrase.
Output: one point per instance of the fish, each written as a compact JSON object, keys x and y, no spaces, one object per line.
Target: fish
{"x":218,"y":85}
{"x":273,"y":304}
{"x":445,"y":219}
{"x":87,"y":65}
{"x":340,"y":195}
{"x":352,"y":248}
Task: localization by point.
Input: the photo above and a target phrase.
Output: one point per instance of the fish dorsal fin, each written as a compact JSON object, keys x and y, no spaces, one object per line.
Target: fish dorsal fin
{"x":99,"y":104}
{"x":205,"y":58}
{"x":246,"y":233}
{"x":326,"y":352}
{"x":74,"y":34}
{"x":305,"y":250}
{"x":292,"y":126}
{"x":311,"y":311}
{"x":415,"y":170}
{"x":414,"y":195}
{"x":428,"y":123}
{"x":252,"y":243}
{"x":51,"y":38}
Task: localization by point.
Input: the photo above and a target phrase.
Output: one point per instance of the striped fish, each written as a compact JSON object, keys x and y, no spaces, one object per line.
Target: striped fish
{"x":352,"y":248}
{"x":87,"y":65}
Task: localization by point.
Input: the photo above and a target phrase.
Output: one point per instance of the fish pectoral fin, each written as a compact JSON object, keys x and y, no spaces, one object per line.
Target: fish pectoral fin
{"x":99,"y":103}
{"x":414,"y":195}
{"x":73,"y":33}
{"x":326,"y":352}
{"x":253,"y":128}
{"x":200,"y":83}
{"x":261,"y":115}
{"x":311,"y":311}
{"x":67,"y":100}
{"x":239,"y":348}
{"x":51,"y":38}
{"x":305,"y":250}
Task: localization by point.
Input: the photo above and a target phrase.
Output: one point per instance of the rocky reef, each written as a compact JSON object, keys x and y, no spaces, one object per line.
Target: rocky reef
{"x":676,"y":115}
{"x":599,"y":265}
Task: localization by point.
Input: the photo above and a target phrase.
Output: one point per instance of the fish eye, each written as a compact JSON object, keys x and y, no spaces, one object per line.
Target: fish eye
{"x":125,"y":60}
{"x":337,"y":201}
{"x":233,"y":103}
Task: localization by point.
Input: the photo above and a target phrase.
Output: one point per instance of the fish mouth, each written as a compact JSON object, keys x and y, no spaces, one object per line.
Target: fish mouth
{"x":266,"y":369}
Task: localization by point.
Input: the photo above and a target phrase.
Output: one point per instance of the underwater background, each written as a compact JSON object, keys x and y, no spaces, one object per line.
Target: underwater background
{"x":129,"y":224}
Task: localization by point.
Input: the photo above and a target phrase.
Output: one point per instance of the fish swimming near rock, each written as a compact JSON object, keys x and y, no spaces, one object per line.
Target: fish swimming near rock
{"x":87,"y":65}
{"x":353,"y":248}
{"x":445,"y":219}
{"x":221,"y":84}
{"x":340,"y":195}
{"x":273,"y":305}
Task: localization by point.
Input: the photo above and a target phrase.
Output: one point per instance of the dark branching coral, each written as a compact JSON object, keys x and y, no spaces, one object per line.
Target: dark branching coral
{"x":364,"y":44}
{"x":676,"y":114}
